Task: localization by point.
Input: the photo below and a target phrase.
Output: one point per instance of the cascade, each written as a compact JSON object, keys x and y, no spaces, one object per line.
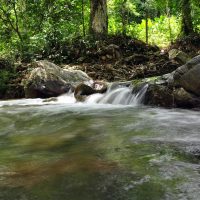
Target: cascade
{"x":121,"y":95}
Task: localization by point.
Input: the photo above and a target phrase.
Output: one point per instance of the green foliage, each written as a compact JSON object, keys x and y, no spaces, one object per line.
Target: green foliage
{"x":6,"y":73}
{"x":4,"y":78}
{"x":31,"y":29}
{"x":162,"y":30}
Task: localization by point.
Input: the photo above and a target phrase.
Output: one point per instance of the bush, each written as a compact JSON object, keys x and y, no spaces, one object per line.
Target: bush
{"x":6,"y":73}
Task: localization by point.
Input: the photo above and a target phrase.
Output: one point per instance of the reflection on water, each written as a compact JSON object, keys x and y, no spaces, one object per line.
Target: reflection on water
{"x":74,"y":151}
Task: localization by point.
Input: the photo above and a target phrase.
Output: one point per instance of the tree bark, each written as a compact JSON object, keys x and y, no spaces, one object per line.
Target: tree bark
{"x":187,"y":25}
{"x":169,"y":21}
{"x":124,"y":18}
{"x":83,"y":18}
{"x":98,"y":18}
{"x":147,"y":26}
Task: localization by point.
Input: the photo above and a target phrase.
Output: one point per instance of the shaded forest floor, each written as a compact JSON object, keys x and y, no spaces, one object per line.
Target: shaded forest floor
{"x":125,"y":58}
{"x":121,"y":58}
{"x":117,"y":58}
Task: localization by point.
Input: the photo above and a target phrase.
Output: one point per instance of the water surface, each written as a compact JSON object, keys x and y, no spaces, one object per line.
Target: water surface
{"x":88,"y":151}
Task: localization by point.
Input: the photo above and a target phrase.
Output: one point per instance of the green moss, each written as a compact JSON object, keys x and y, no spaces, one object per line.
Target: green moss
{"x":145,"y":80}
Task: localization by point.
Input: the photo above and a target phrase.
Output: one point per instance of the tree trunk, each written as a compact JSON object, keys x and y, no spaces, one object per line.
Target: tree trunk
{"x":98,"y":18}
{"x":147,"y":27}
{"x":124,"y":18}
{"x":168,"y":13}
{"x":187,"y":26}
{"x":83,"y":18}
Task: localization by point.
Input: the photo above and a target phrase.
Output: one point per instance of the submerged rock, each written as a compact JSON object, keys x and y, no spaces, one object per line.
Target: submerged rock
{"x":51,"y":99}
{"x":49,"y":80}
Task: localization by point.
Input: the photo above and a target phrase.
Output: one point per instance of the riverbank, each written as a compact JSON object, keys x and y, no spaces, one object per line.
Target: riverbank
{"x":115,"y":59}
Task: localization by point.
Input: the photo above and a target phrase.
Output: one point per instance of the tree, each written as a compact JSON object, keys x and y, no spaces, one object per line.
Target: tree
{"x":98,"y":18}
{"x":6,"y":10}
{"x":124,"y":17}
{"x":187,"y":25}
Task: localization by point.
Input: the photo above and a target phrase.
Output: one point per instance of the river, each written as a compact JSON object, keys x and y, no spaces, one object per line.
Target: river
{"x":97,"y":151}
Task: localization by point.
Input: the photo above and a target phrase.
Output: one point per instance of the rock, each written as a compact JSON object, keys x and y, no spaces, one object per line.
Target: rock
{"x":82,"y":90}
{"x":184,"y":99}
{"x":137,"y":88}
{"x":111,"y":51}
{"x":100,"y":86}
{"x":159,"y":95}
{"x":81,"y":59}
{"x":49,"y":80}
{"x":136,"y":59}
{"x":116,"y":85}
{"x":188,"y":76}
{"x":51,"y":99}
{"x":179,"y":56}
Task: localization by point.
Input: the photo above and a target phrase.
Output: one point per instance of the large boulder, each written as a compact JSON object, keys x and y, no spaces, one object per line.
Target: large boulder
{"x":160,"y":93}
{"x":163,"y":96}
{"x":188,"y":76}
{"x":48,"y":80}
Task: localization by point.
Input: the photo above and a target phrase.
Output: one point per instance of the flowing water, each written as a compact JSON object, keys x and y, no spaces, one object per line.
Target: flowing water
{"x":98,"y":150}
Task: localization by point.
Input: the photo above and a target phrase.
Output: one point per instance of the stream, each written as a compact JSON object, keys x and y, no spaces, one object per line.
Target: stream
{"x":103,"y":149}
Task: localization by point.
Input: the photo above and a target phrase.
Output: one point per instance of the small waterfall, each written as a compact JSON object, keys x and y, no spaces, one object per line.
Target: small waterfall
{"x":120,"y":95}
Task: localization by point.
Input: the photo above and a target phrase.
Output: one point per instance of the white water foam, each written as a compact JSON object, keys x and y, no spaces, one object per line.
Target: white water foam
{"x":117,"y":96}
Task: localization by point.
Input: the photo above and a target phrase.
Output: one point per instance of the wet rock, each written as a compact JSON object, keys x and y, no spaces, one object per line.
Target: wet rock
{"x":49,"y":80}
{"x":100,"y":86}
{"x":51,"y":99}
{"x":159,"y":95}
{"x":82,"y":90}
{"x":187,"y":76}
{"x":179,"y":56}
{"x":138,"y":87}
{"x":184,"y":99}
{"x":116,"y":85}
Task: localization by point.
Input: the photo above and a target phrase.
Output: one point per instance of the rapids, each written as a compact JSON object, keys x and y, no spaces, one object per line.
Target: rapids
{"x":109,"y":147}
